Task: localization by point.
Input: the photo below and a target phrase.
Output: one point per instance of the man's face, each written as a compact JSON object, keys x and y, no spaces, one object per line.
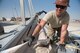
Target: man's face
{"x":61,"y":7}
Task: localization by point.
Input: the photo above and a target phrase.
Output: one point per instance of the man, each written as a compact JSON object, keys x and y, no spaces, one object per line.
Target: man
{"x":58,"y":21}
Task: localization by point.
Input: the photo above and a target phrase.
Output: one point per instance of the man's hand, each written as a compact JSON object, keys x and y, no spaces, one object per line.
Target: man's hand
{"x":62,"y":47}
{"x":30,"y":40}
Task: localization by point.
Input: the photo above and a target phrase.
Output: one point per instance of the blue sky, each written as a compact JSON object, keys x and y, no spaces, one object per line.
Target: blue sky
{"x":9,"y":8}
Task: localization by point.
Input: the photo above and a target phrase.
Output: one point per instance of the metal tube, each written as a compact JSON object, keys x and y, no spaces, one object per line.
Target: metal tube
{"x":22,"y":12}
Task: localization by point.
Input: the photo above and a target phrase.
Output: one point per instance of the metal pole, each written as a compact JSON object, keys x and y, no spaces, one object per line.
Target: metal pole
{"x":22,"y":12}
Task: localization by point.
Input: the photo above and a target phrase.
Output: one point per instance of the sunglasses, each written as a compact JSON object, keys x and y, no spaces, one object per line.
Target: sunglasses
{"x":60,"y":6}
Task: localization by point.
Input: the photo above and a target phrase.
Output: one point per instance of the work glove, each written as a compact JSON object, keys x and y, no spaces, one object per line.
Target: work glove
{"x":62,"y":47}
{"x":30,"y":39}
